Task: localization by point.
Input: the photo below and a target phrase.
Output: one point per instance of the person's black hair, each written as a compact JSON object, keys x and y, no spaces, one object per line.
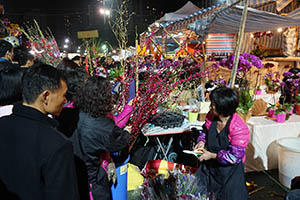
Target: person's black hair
{"x":11,"y":86}
{"x":76,"y":58}
{"x":75,"y":77}
{"x":39,"y":78}
{"x":22,"y":56}
{"x":95,"y":97}
{"x":294,"y":70}
{"x":209,"y":84}
{"x":102,"y":60}
{"x":225,"y":99}
{"x":4,"y":47}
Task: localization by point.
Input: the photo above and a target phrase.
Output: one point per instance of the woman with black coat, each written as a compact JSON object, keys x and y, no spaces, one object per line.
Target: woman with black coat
{"x":97,"y":135}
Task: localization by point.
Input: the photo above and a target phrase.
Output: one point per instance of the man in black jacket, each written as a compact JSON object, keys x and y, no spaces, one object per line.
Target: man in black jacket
{"x":36,"y":160}
{"x":6,"y":54}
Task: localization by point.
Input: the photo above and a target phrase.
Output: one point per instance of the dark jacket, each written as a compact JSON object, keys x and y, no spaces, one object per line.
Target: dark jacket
{"x":93,"y":137}
{"x":36,"y":160}
{"x":6,"y":64}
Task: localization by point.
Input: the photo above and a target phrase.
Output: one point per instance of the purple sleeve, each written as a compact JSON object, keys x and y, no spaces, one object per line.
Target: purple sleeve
{"x":232,"y":156}
{"x":201,"y":137}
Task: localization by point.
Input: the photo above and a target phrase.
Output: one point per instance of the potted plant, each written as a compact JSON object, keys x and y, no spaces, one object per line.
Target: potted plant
{"x":257,"y":90}
{"x":297,"y":105}
{"x":271,"y":111}
{"x":272,"y":82}
{"x":288,"y":108}
{"x":280,"y":114}
{"x":245,"y":105}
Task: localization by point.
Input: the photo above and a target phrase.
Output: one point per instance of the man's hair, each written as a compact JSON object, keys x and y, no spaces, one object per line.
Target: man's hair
{"x":39,"y":78}
{"x":95,"y":97}
{"x":76,"y":58}
{"x":22,"y":56}
{"x":11,"y":85}
{"x":4,"y":47}
{"x":225,"y":99}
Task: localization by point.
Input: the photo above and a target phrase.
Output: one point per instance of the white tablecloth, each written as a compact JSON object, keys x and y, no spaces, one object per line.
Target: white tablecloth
{"x":262,"y":151}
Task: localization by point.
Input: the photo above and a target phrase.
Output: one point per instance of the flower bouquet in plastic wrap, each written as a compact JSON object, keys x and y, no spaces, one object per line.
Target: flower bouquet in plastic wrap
{"x":177,"y":185}
{"x":43,"y":44}
{"x":167,"y":181}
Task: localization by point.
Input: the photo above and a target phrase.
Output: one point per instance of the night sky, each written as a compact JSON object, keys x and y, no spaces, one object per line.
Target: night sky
{"x":163,"y":5}
{"x":65,"y":6}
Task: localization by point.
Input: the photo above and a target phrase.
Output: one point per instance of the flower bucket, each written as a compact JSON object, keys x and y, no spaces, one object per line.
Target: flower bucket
{"x":297,"y":109}
{"x":271,"y":113}
{"x":280,"y":117}
{"x":119,"y":190}
{"x":193,"y":116}
{"x":288,"y":159}
{"x":257,"y":92}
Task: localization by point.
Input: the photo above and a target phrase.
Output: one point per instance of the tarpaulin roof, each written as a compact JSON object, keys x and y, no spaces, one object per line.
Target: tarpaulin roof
{"x":182,"y":23}
{"x":187,"y":9}
{"x":227,"y":20}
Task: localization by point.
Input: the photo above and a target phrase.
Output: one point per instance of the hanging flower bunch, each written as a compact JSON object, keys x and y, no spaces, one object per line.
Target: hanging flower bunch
{"x":9,"y":29}
{"x":155,"y":88}
{"x":259,"y":49}
{"x":43,"y":44}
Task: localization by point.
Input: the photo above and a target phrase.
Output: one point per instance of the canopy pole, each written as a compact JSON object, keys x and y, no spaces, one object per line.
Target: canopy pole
{"x":239,"y":44}
{"x":193,"y":57}
{"x":154,"y":43}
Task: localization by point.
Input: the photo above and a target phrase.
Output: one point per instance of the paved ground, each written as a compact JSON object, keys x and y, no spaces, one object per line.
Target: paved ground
{"x":266,"y":183}
{"x":272,"y":189}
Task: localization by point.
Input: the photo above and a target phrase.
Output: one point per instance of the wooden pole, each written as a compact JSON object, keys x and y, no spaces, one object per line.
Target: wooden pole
{"x":193,"y":57}
{"x":153,"y":42}
{"x":239,"y":44}
{"x":137,"y":67}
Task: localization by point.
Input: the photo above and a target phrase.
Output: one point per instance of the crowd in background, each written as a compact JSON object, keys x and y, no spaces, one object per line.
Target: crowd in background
{"x":63,"y":117}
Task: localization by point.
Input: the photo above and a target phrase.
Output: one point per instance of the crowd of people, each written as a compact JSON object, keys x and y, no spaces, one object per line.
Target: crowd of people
{"x":57,"y":129}
{"x":59,"y":137}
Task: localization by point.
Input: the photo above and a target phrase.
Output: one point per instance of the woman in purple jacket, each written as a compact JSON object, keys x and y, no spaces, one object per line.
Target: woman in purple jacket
{"x":223,"y":142}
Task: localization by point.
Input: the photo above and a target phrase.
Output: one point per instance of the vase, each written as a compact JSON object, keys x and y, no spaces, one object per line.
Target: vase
{"x":271,"y":113}
{"x":280,"y":117}
{"x":257,"y":92}
{"x":297,"y":109}
{"x":193,"y":116}
{"x":245,"y":116}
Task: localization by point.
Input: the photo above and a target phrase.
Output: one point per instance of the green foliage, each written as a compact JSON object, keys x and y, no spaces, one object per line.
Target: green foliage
{"x":115,"y":73}
{"x":298,"y":99}
{"x":285,"y":108}
{"x":271,"y":106}
{"x":246,"y":102}
{"x":259,"y":52}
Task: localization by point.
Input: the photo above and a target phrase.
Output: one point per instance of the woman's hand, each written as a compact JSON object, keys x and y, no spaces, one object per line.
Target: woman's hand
{"x":207,"y":155}
{"x":199,"y":146}
{"x":128,"y":128}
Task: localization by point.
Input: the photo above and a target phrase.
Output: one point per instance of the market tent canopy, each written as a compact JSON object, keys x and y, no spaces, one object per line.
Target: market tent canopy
{"x":187,"y":9}
{"x":227,"y":20}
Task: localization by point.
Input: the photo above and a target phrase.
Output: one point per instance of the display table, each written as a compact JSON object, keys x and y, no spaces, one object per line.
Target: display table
{"x":262,"y":150}
{"x":268,"y":98}
{"x":164,"y":143}
{"x":283,"y":61}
